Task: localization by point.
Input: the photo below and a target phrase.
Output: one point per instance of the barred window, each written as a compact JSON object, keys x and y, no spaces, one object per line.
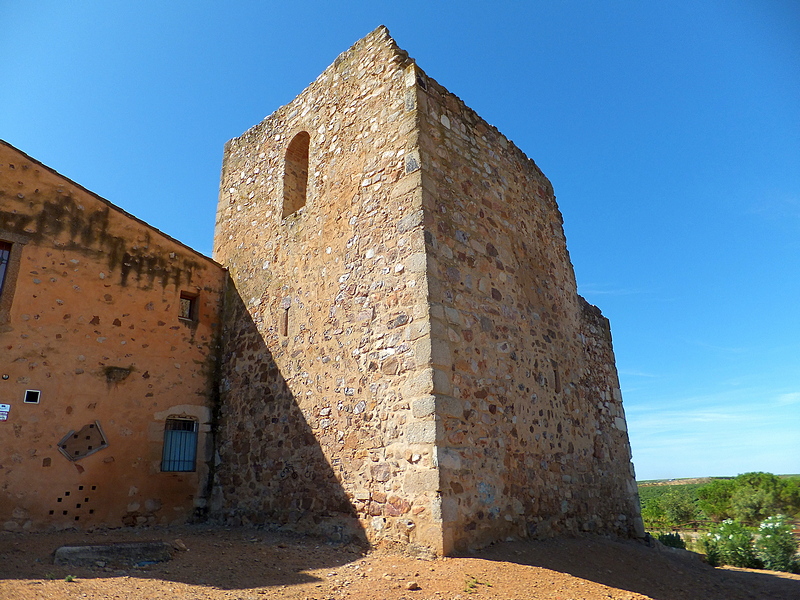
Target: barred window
{"x":180,"y":445}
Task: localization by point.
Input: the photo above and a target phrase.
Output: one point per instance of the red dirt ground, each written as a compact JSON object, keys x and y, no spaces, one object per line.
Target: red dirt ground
{"x":250,"y":564}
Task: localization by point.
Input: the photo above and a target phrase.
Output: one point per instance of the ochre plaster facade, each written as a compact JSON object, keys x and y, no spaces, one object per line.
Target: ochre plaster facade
{"x":405,"y":355}
{"x":89,"y":317}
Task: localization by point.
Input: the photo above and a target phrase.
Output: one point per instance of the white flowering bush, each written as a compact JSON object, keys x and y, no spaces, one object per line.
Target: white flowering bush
{"x":731,"y":543}
{"x":776,"y":546}
{"x":772,"y":546}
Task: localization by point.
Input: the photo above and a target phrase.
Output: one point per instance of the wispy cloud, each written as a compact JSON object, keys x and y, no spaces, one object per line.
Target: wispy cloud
{"x":790,"y":398}
{"x":726,"y":432}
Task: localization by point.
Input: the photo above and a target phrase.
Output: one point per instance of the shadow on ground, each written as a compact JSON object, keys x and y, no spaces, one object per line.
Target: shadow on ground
{"x":224,"y":558}
{"x":655,"y":572}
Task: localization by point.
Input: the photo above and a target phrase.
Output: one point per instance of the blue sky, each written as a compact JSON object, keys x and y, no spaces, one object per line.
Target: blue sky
{"x":670,"y":131}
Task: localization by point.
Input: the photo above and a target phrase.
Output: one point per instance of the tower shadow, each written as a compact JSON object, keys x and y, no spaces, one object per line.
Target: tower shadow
{"x":270,"y":468}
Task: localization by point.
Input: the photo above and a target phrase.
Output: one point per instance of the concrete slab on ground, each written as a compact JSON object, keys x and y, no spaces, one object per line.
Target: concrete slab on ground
{"x":121,"y":554}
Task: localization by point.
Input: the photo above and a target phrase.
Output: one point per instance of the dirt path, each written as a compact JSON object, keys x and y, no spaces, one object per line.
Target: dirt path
{"x":247,"y":564}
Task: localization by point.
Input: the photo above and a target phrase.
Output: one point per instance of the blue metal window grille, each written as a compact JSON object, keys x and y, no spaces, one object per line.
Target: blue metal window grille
{"x":180,"y":445}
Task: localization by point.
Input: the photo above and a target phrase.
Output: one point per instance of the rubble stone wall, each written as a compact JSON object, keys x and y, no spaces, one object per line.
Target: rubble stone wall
{"x":406,"y":357}
{"x":533,"y":438}
{"x":90,"y":319}
{"x":327,"y":420}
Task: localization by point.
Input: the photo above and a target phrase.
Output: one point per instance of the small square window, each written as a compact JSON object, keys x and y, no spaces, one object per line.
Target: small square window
{"x":32,"y":396}
{"x":188,"y":306}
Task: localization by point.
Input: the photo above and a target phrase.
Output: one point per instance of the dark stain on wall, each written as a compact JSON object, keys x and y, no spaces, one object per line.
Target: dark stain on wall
{"x":65,"y":223}
{"x":115,"y":375}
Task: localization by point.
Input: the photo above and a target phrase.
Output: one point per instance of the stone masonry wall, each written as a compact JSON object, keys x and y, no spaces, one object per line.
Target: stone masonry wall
{"x":612,"y":477}
{"x":406,"y":357}
{"x":327,"y":422}
{"x":532,"y":438}
{"x":89,"y":317}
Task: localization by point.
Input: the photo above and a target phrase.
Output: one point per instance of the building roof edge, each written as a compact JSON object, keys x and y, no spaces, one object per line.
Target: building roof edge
{"x":108,"y":202}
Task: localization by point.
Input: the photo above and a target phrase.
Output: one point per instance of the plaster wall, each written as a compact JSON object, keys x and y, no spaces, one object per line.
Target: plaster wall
{"x":89,"y":317}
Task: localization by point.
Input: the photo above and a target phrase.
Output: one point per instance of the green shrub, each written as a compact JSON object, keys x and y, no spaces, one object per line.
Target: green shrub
{"x":776,"y":547}
{"x":679,"y":507}
{"x":750,"y":497}
{"x":713,"y":555}
{"x":731,"y":543}
{"x":715,"y":498}
{"x":669,"y":506}
{"x":673,"y":540}
{"x":751,"y":505}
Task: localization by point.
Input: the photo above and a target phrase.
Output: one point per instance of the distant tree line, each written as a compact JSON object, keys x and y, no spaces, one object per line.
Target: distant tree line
{"x":730,"y":510}
{"x":748,"y":499}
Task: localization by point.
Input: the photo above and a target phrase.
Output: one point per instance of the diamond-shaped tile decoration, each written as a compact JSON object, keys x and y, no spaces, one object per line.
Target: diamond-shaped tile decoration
{"x":77,"y":445}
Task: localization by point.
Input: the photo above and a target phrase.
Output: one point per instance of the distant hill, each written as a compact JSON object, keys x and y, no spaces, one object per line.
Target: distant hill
{"x":688,"y":480}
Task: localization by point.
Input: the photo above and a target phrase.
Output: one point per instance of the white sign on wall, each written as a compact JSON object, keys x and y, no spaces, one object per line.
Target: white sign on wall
{"x":4,"y":409}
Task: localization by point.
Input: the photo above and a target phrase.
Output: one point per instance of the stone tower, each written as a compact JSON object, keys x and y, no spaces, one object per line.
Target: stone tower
{"x":406,"y":357}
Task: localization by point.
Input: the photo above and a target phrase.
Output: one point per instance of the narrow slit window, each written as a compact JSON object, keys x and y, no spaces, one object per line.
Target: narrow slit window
{"x":285,"y":322}
{"x":556,"y":377}
{"x":180,"y":445}
{"x":295,"y":176}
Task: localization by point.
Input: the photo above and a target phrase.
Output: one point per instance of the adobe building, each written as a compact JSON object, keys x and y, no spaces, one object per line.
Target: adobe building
{"x":405,"y":355}
{"x":108,"y":337}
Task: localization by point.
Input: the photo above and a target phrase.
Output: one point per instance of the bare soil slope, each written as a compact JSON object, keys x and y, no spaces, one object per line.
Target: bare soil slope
{"x":251,"y":564}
